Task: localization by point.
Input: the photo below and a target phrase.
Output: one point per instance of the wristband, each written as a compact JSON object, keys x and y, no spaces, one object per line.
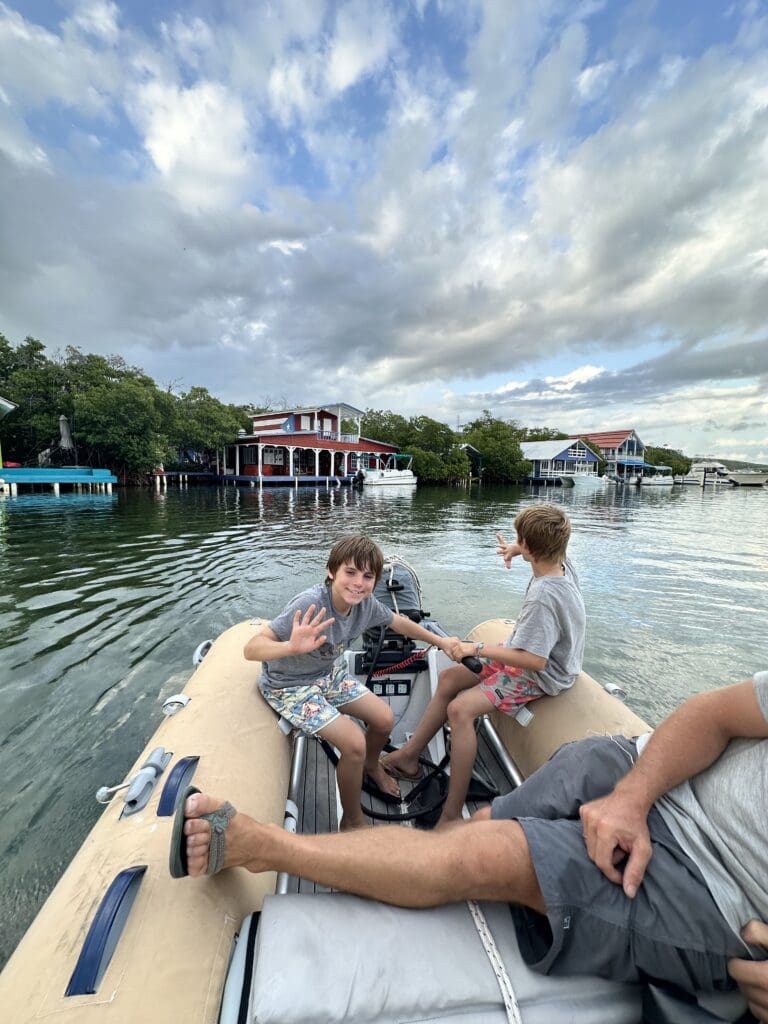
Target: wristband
{"x":478,"y":648}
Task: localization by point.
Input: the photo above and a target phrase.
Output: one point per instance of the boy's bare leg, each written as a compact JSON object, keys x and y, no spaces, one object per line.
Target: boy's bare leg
{"x":378,"y":716}
{"x":487,"y":860}
{"x":349,"y":739}
{"x":450,"y":682}
{"x":462,"y":713}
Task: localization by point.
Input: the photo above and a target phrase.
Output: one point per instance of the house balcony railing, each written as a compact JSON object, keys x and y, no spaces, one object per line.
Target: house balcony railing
{"x":333,"y":435}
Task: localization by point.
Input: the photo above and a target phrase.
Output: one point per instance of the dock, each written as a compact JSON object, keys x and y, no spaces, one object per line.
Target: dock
{"x":78,"y":478}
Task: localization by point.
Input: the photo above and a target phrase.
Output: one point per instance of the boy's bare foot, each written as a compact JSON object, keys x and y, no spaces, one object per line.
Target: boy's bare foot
{"x":380,"y":778}
{"x":402,"y":764}
{"x":242,"y":837}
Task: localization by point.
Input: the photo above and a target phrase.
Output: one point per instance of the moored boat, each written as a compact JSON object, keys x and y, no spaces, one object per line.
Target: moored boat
{"x":705,"y":473}
{"x":748,"y":478}
{"x":119,"y":941}
{"x":396,"y":472}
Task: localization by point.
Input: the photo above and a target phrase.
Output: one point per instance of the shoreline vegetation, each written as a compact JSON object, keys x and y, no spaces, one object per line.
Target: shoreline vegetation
{"x":121,"y":420}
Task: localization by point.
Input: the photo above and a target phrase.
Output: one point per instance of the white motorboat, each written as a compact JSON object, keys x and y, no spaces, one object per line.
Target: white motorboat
{"x":747,"y":477}
{"x":120,"y":942}
{"x":705,"y":473}
{"x":396,"y":471}
{"x":662,"y":478}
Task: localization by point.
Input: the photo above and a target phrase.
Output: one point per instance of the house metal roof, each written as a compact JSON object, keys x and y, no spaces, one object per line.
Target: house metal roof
{"x":548,"y":449}
{"x":607,"y":438}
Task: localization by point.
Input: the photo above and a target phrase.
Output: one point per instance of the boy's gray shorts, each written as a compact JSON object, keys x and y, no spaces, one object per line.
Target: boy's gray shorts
{"x":671,"y":931}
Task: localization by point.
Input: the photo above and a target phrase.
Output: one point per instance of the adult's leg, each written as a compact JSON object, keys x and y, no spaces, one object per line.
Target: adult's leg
{"x":462,"y":713}
{"x":405,"y":867}
{"x":575,"y":774}
{"x":349,"y":739}
{"x":378,"y":716}
{"x":450,"y":682}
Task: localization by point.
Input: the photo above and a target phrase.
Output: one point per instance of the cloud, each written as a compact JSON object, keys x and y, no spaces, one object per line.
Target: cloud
{"x":499,"y":204}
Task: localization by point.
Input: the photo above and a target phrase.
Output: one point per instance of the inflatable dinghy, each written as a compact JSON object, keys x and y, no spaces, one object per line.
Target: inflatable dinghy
{"x":120,"y":942}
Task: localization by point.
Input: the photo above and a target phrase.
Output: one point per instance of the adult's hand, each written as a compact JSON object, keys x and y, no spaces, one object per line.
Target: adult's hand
{"x":615,"y":827}
{"x":307,"y":630}
{"x":752,"y":975}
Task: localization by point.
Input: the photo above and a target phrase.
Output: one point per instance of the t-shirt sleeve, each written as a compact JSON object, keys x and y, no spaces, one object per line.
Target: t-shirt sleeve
{"x":379,"y":614}
{"x":760,"y":682}
{"x":537,"y":630}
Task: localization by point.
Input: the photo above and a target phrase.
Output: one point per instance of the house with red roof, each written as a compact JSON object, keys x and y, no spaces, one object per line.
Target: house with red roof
{"x":307,"y":444}
{"x":623,"y":451}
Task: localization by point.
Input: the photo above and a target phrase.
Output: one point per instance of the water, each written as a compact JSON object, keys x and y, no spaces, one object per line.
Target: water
{"x":103,"y":599}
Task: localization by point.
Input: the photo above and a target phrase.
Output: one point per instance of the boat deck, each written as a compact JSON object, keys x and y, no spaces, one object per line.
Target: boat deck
{"x":317,"y":802}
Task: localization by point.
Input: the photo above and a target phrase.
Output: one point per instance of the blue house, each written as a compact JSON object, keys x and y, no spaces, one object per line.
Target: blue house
{"x":562,"y":461}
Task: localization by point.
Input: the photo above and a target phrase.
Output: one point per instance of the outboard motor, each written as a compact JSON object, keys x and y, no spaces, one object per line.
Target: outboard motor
{"x":398,"y":589}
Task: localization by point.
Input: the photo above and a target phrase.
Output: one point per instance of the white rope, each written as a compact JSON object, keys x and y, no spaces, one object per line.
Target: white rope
{"x":492,"y":950}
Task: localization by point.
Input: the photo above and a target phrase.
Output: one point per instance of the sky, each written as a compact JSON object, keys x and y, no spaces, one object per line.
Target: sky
{"x":556,"y":210}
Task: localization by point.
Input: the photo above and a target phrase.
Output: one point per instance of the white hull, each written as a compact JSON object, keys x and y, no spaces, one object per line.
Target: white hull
{"x":389,"y":478}
{"x":656,"y":481}
{"x":747,"y":479}
{"x":588,"y":481}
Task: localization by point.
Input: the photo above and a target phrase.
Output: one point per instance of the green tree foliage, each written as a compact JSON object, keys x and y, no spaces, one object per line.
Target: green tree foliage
{"x":383,"y":425}
{"x":498,"y":442}
{"x":437,"y":457}
{"x":119,"y":418}
{"x":542,"y":434}
{"x":671,"y":457}
{"x":202,"y":421}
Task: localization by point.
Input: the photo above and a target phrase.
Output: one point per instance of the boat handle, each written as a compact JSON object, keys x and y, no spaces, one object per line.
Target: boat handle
{"x":471,"y":662}
{"x":178,"y":780}
{"x":105,"y":931}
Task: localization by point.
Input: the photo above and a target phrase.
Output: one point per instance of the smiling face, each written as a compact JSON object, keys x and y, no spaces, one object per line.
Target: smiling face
{"x":350,"y":586}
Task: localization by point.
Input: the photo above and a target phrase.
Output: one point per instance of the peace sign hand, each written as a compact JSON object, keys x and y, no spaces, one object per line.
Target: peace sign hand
{"x":307,"y":630}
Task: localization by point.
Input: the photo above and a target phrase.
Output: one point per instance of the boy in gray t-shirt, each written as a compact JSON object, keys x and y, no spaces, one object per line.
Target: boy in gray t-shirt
{"x":543,"y":655}
{"x":304,"y":672}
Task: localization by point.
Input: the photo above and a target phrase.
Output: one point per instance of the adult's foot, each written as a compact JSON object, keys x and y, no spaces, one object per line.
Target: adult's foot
{"x":401,"y":764}
{"x":243,"y":837}
{"x":380,"y":778}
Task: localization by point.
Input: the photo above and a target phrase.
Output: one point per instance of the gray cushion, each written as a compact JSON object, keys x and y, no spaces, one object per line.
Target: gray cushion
{"x":334,"y":957}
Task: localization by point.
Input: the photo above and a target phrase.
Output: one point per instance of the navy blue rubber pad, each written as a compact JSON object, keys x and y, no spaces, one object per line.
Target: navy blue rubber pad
{"x":105,"y":932}
{"x":176,"y":783}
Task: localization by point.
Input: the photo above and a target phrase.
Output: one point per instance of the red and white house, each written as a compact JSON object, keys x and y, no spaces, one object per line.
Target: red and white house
{"x":304,"y":444}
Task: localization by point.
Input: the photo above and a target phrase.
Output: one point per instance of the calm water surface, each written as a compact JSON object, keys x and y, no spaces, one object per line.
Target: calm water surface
{"x":103,"y":599}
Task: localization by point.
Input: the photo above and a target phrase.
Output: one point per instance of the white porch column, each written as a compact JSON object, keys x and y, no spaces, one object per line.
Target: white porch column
{"x":346,"y":463}
{"x":237,"y":460}
{"x":291,"y":450}
{"x":217,"y":462}
{"x":317,"y":462}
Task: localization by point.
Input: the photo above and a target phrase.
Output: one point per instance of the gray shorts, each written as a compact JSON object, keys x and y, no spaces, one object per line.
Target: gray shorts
{"x":672,"y":931}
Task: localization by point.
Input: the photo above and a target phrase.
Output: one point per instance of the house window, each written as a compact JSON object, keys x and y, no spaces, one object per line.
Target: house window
{"x":305,"y":423}
{"x":327,"y":423}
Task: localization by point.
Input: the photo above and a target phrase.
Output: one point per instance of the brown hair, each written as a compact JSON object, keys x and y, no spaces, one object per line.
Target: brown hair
{"x":360,"y":551}
{"x":545,"y":529}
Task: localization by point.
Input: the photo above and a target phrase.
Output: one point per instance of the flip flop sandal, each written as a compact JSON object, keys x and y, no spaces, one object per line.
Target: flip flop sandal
{"x":219,"y":819}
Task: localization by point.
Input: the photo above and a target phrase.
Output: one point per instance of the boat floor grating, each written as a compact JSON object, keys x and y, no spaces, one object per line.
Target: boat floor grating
{"x":317,"y":809}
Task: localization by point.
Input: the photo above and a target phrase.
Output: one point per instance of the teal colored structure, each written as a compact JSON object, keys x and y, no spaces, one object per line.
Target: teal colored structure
{"x":74,"y":476}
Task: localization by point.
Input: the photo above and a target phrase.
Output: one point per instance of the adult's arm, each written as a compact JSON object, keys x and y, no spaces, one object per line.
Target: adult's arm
{"x":686,"y":743}
{"x":307,"y":634}
{"x":752,"y":975}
